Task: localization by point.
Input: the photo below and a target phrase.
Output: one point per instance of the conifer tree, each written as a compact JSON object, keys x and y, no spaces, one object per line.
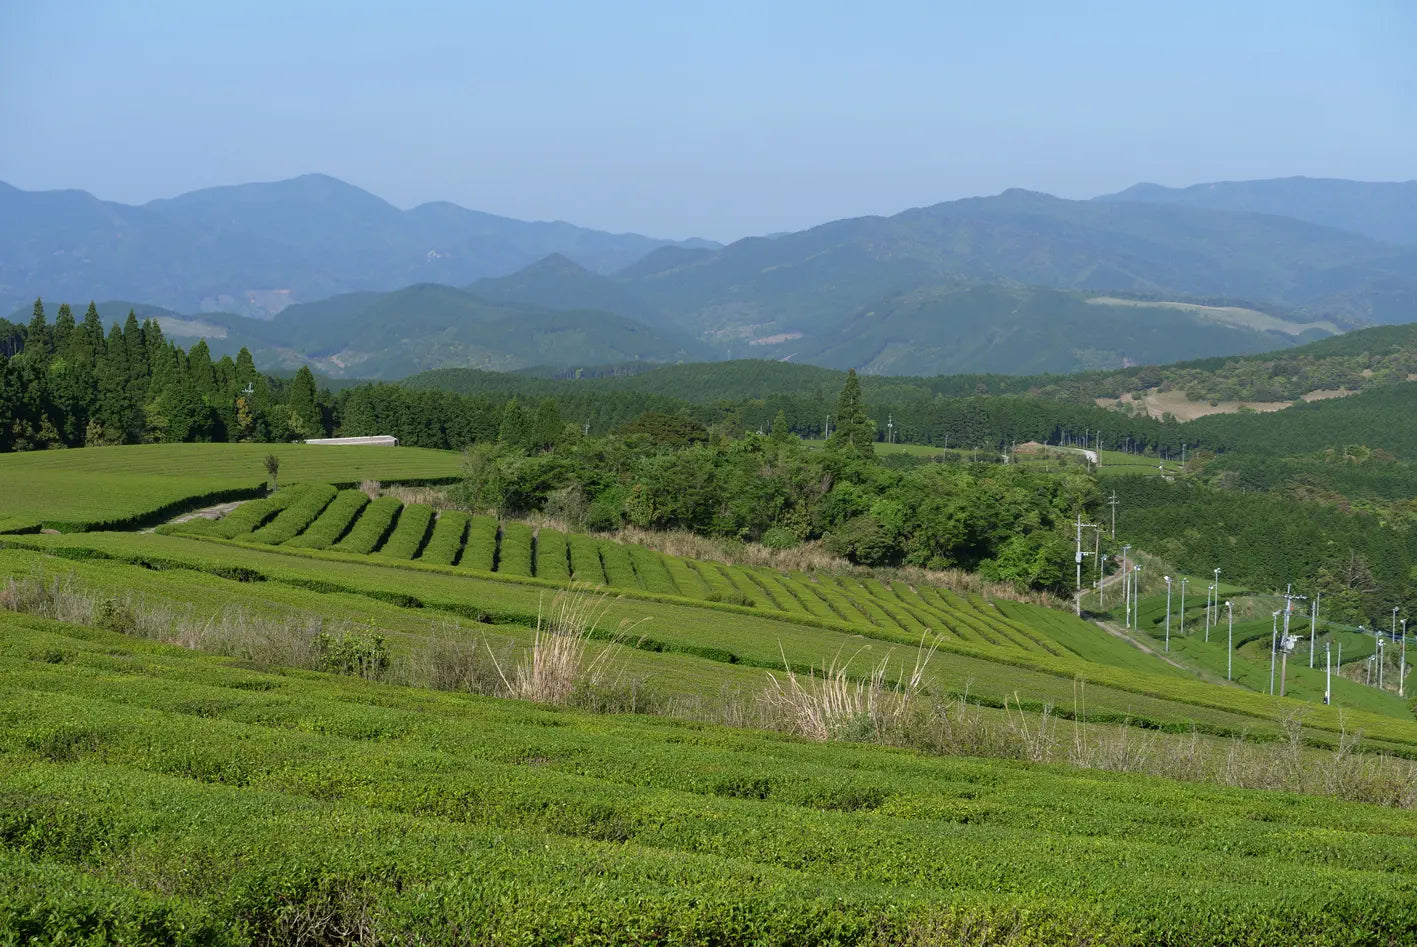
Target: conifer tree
{"x":304,"y":412}
{"x":854,"y":436}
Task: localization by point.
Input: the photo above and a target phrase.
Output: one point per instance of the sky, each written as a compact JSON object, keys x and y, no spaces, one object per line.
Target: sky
{"x":716,"y":120}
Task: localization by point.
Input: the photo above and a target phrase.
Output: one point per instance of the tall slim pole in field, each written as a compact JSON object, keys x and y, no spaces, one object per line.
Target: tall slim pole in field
{"x":1273,"y":646}
{"x":1328,"y":672}
{"x":1168,"y":613}
{"x":1217,"y":594}
{"x":1136,"y":598}
{"x":1184,"y":580}
{"x":1402,"y":665}
{"x":1230,"y":640}
{"x":1210,"y":590}
{"x":1113,"y":503}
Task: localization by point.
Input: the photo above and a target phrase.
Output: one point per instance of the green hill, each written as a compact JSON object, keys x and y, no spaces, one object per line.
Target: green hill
{"x":388,"y":335}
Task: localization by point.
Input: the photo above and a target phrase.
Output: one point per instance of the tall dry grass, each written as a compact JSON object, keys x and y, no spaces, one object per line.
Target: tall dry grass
{"x":562,"y":661}
{"x":833,"y":705}
{"x":568,"y":665}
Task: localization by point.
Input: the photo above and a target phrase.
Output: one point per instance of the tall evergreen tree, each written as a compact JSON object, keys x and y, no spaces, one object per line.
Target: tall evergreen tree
{"x":305,"y":418}
{"x":854,"y":434}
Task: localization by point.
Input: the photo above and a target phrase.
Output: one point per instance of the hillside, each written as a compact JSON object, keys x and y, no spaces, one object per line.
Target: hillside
{"x":983,"y":284}
{"x":1385,"y":211}
{"x":389,"y":335}
{"x":811,"y":281}
{"x":256,"y":248}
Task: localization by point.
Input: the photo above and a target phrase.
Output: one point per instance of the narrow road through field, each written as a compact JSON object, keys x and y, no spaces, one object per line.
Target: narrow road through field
{"x":209,"y":512}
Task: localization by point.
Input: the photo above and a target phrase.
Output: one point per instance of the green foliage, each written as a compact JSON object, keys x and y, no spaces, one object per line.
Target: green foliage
{"x":372,"y":528}
{"x":363,"y":655}
{"x":333,"y":522}
{"x":446,"y":541}
{"x":585,"y":559}
{"x":290,"y":522}
{"x":514,"y":554}
{"x":414,"y":524}
{"x":139,"y":485}
{"x":332,"y":801}
{"x":481,"y":550}
{"x":552,"y":555}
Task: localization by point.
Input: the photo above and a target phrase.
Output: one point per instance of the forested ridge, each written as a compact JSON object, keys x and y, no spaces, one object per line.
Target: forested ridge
{"x":1321,"y":493}
{"x":73,"y":384}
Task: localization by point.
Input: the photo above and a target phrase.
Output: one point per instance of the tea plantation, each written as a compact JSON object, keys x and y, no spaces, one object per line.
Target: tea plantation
{"x":156,"y":794}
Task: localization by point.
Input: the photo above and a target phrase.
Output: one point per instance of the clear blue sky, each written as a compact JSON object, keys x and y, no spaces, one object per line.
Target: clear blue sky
{"x":713,"y":119}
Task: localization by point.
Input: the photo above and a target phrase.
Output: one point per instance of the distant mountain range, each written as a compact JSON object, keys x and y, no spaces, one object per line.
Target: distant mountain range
{"x":1020,"y":282}
{"x":1383,"y":211}
{"x":255,"y":248}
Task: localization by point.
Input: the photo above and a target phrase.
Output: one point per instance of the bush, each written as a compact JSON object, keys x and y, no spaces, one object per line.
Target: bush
{"x":514,"y":550}
{"x":447,"y":539}
{"x":407,"y":538}
{"x":372,"y":527}
{"x":362,"y":655}
{"x":331,"y":525}
{"x":779,"y":537}
{"x":552,"y":555}
{"x":585,"y":559}
{"x":295,"y":518}
{"x":481,"y":550}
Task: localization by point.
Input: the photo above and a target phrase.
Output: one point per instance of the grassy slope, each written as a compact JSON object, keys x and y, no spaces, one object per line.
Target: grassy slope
{"x":111,"y":484}
{"x":753,"y":637}
{"x":202,"y":796}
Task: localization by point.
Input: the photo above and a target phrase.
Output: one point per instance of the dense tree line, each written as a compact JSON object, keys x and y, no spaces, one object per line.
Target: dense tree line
{"x":72,"y":383}
{"x":665,"y":471}
{"x":1361,"y":562}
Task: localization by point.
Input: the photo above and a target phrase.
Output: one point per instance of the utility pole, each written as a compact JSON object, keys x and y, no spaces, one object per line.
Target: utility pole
{"x":1126,"y":584}
{"x":1168,"y":613}
{"x":1230,"y":639}
{"x":890,"y":429}
{"x":1273,"y":647}
{"x":1328,"y":673}
{"x":1402,"y":665}
{"x":1113,"y":503}
{"x":1136,"y":601}
{"x":1077,"y":559}
{"x":1208,"y":590}
{"x":1184,"y":580}
{"x":827,"y":428}
{"x":1217,"y":594}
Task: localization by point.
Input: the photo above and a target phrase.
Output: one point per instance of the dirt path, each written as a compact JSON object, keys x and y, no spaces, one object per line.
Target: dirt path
{"x":209,"y":512}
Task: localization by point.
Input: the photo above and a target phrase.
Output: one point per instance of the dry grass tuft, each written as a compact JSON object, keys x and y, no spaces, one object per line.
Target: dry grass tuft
{"x":835,"y":706}
{"x":559,"y":663}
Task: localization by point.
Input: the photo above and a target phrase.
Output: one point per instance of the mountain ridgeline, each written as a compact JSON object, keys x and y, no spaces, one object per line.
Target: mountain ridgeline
{"x":1018,"y":283}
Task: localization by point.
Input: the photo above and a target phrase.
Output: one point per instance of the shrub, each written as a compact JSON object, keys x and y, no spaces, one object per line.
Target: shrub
{"x":585,"y":559}
{"x":552,"y":555}
{"x":514,"y":549}
{"x":295,"y":518}
{"x":447,"y":539}
{"x":331,"y":525}
{"x":372,"y":527}
{"x":481,"y":550}
{"x":407,"y":538}
{"x":362,"y":655}
{"x":779,"y":537}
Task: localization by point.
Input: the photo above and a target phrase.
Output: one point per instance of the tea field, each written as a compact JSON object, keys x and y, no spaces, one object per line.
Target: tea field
{"x":155,"y":795}
{"x":120,"y":487}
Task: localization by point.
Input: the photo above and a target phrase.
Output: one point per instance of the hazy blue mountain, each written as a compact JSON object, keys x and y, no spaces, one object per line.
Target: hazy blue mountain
{"x":427,"y":326}
{"x":813,"y":280}
{"x":256,"y":248}
{"x":557,"y":282}
{"x":1384,"y":210}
